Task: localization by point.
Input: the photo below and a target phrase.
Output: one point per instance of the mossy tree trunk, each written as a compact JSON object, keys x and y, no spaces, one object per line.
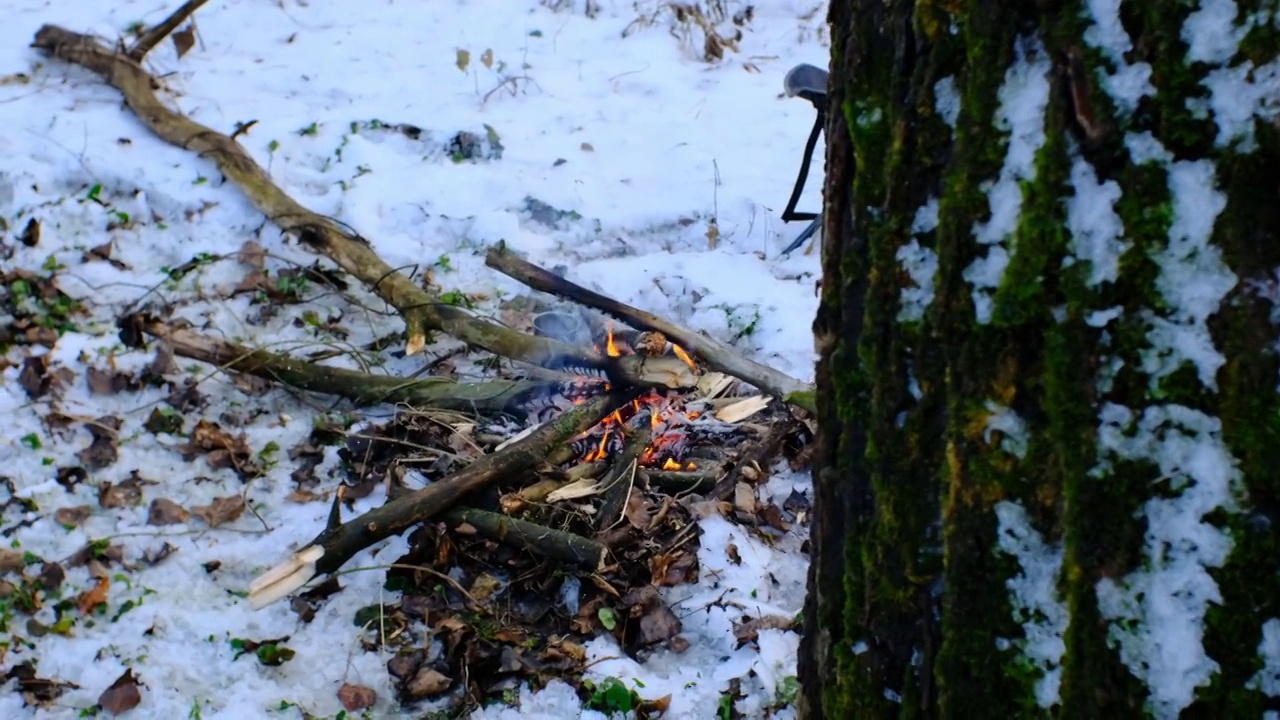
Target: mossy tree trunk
{"x":1048,"y":475}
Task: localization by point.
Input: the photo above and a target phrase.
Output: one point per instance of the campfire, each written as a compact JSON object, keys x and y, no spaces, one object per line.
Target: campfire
{"x":670,"y":419}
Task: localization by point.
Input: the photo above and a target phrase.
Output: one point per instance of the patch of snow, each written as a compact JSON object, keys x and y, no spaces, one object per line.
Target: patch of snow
{"x":1211,"y":33}
{"x":1144,"y":148}
{"x":1097,"y":233}
{"x":1100,"y":318}
{"x":947,"y":100}
{"x":1157,"y":612}
{"x":1238,"y":96}
{"x":1267,"y":679}
{"x":1193,"y":278}
{"x":921,"y":265}
{"x":1034,"y":596}
{"x":1012,"y":427}
{"x":1130,"y":82}
{"x":1023,"y":98}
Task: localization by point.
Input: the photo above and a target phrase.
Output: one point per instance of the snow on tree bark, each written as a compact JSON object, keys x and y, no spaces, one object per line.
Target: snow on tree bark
{"x":1048,"y":378}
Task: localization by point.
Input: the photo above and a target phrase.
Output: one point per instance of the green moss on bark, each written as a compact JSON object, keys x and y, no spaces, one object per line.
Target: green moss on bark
{"x":915,"y":479}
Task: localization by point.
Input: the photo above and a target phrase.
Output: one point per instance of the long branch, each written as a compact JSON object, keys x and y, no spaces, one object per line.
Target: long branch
{"x":717,"y":355}
{"x":491,"y":396}
{"x":339,"y":542}
{"x":421,"y":312}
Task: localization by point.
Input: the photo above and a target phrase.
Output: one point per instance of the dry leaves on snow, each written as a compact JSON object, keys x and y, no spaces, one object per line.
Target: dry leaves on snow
{"x":123,"y":695}
{"x":221,"y":510}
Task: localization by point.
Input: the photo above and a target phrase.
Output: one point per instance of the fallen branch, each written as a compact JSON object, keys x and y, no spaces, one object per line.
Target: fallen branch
{"x":339,"y":542}
{"x":491,"y":396}
{"x":717,"y":355}
{"x":538,"y":539}
{"x":421,"y":312}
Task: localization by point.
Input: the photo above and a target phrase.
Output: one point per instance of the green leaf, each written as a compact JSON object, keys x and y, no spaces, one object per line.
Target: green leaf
{"x":272,"y":654}
{"x":607,"y":618}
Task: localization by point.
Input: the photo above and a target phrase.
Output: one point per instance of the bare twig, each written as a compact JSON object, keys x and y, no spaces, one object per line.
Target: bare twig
{"x":157,"y":33}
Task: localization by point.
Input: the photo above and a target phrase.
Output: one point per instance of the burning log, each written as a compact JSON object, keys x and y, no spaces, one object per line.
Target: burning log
{"x":339,"y":542}
{"x":421,"y":312}
{"x":684,"y":481}
{"x":492,"y":396}
{"x":617,"y":484}
{"x":550,"y":543}
{"x":716,"y":354}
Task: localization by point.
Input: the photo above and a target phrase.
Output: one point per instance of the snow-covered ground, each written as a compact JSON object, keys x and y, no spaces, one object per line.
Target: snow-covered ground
{"x":671,"y":172}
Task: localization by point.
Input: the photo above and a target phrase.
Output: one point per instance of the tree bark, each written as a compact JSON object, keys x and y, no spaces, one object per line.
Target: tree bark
{"x":1047,"y":385}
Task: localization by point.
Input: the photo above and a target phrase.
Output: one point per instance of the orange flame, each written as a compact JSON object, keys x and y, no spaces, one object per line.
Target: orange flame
{"x":670,"y":465}
{"x":599,"y":453}
{"x":680,"y":353}
{"x":610,"y":348}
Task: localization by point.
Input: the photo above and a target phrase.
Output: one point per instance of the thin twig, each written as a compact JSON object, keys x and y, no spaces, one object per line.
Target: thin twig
{"x":152,"y":37}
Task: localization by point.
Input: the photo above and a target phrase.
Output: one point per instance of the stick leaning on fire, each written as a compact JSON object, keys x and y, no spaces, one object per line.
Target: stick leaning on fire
{"x":421,"y":313}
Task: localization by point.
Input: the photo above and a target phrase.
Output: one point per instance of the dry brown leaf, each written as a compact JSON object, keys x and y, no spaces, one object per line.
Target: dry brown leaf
{"x":744,"y":498}
{"x":166,"y":512}
{"x":253,"y":255}
{"x":463,"y":59}
{"x":105,"y":382}
{"x":639,"y":512}
{"x":486,"y":57}
{"x":125,"y":494}
{"x":731,"y":551}
{"x":52,"y":575}
{"x":659,"y":624}
{"x":426,"y":683}
{"x":484,"y":586}
{"x":11,"y":560}
{"x":184,"y":40}
{"x":221,"y":510}
{"x":773,"y":517}
{"x":356,"y":697}
{"x":656,"y":707}
{"x":90,"y":599}
{"x":72,"y":516}
{"x":31,"y":233}
{"x":123,"y":695}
